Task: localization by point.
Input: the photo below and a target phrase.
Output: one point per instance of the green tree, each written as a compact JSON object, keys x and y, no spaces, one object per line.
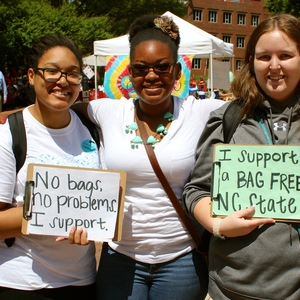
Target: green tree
{"x":32,"y":19}
{"x":284,"y":6}
{"x":24,"y":21}
{"x":123,"y":12}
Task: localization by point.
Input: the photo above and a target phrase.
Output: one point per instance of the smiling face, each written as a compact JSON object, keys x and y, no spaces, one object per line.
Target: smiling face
{"x":277,"y":65}
{"x":55,"y":96}
{"x":151,"y":88}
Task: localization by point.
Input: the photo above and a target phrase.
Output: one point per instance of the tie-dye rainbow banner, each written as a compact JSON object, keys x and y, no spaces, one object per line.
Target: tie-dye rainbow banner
{"x":117,"y":83}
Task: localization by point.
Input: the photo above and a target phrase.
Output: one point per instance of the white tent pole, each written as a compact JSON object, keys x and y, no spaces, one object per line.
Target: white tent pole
{"x":211,"y":73}
{"x":96,"y":79}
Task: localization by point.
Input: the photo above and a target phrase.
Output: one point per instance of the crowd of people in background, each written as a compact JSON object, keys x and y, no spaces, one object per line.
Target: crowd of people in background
{"x":15,"y":90}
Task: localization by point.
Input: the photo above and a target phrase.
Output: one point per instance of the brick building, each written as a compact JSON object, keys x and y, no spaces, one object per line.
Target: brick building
{"x":230,"y":20}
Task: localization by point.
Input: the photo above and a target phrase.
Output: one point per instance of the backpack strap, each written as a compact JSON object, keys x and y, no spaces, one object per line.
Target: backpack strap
{"x":231,"y":119}
{"x":91,"y":127}
{"x":19,"y":145}
{"x":19,"y":142}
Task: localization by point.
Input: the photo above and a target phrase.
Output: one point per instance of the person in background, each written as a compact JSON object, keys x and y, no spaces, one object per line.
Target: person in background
{"x":225,"y":95}
{"x":201,"y":84}
{"x":193,"y":82}
{"x":37,"y":267}
{"x":156,"y":257}
{"x":3,"y":91}
{"x":254,"y":258}
{"x":217,"y":93}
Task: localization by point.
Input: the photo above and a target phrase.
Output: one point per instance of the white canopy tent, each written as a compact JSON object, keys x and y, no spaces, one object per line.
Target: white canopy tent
{"x":194,"y":41}
{"x":90,"y":60}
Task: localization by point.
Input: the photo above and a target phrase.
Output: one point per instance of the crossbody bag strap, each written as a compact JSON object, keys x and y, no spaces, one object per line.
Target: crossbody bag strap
{"x":160,"y":175}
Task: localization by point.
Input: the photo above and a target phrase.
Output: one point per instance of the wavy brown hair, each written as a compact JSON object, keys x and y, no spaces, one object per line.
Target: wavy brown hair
{"x":244,"y":86}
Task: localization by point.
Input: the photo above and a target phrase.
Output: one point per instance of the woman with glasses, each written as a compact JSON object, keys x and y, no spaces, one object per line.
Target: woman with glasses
{"x":156,"y":258}
{"x":35,"y":266}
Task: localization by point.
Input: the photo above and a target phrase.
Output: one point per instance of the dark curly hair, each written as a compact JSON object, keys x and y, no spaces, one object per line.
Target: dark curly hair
{"x":157,"y":28}
{"x":48,"y":42}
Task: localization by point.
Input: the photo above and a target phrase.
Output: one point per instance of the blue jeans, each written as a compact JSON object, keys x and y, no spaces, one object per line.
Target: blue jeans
{"x":120,"y":277}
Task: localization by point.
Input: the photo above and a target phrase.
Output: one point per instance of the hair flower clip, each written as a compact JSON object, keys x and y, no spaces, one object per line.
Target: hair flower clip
{"x":167,"y":26}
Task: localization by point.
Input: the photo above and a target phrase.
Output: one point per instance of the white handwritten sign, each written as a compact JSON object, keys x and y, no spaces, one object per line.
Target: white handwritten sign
{"x":267,"y":176}
{"x":58,"y":198}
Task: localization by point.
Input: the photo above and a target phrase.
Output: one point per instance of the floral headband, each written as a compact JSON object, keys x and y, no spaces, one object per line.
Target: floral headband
{"x":167,"y":26}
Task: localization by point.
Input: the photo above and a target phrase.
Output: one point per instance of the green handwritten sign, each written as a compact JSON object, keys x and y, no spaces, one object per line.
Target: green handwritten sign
{"x":267,"y":176}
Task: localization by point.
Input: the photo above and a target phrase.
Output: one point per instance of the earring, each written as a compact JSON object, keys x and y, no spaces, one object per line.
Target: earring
{"x":177,"y":90}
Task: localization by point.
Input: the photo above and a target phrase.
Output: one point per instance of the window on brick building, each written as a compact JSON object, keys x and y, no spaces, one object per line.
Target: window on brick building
{"x":241,"y":19}
{"x":212,"y":16}
{"x":227,"y":38}
{"x":196,"y":63}
{"x":240,"y":42}
{"x":227,"y":17}
{"x":254,"y":20}
{"x":238,"y":64}
{"x":197,"y":15}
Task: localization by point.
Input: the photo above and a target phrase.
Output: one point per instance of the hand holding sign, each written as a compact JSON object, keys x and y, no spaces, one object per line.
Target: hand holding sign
{"x":241,"y":223}
{"x":77,"y":236}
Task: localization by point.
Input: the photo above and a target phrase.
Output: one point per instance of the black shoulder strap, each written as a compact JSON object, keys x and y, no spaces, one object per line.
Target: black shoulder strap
{"x":231,"y":119}
{"x":19,"y":145}
{"x":18,"y":133}
{"x":91,"y":127}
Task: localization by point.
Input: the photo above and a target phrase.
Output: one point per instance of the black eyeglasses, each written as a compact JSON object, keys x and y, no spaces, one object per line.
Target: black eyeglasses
{"x":53,"y":75}
{"x":143,"y":70}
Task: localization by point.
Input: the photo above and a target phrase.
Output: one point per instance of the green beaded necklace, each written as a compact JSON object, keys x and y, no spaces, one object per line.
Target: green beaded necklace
{"x":161,"y":129}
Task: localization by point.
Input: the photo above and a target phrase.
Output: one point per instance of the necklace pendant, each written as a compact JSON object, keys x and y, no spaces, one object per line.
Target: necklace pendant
{"x":152,"y":140}
{"x":169,"y":116}
{"x":131,"y":127}
{"x":135,"y":142}
{"x":162,"y":130}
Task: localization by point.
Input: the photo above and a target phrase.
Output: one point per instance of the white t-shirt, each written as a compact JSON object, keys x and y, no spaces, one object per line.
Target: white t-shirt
{"x":152,"y":230}
{"x":35,"y":262}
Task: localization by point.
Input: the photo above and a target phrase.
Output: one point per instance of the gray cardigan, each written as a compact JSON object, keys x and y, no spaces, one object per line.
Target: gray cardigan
{"x":264,"y":264}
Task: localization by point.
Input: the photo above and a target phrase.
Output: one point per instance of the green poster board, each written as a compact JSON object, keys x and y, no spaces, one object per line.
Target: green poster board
{"x":266,"y":176}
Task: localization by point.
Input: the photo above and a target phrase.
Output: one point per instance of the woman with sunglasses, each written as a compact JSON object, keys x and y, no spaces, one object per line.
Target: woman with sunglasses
{"x":35,"y":266}
{"x":156,"y":258}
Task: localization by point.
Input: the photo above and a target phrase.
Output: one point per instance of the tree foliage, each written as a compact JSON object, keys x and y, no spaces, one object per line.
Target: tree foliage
{"x":30,"y":20}
{"x":123,"y":12}
{"x":24,"y":21}
{"x":284,"y":6}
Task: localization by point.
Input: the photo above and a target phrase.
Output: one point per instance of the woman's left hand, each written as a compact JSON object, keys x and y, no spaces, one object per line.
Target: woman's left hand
{"x":241,"y":223}
{"x":76,"y":236}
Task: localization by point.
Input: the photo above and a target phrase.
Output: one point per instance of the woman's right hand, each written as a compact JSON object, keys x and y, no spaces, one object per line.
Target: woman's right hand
{"x":76,"y":236}
{"x":241,"y":223}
